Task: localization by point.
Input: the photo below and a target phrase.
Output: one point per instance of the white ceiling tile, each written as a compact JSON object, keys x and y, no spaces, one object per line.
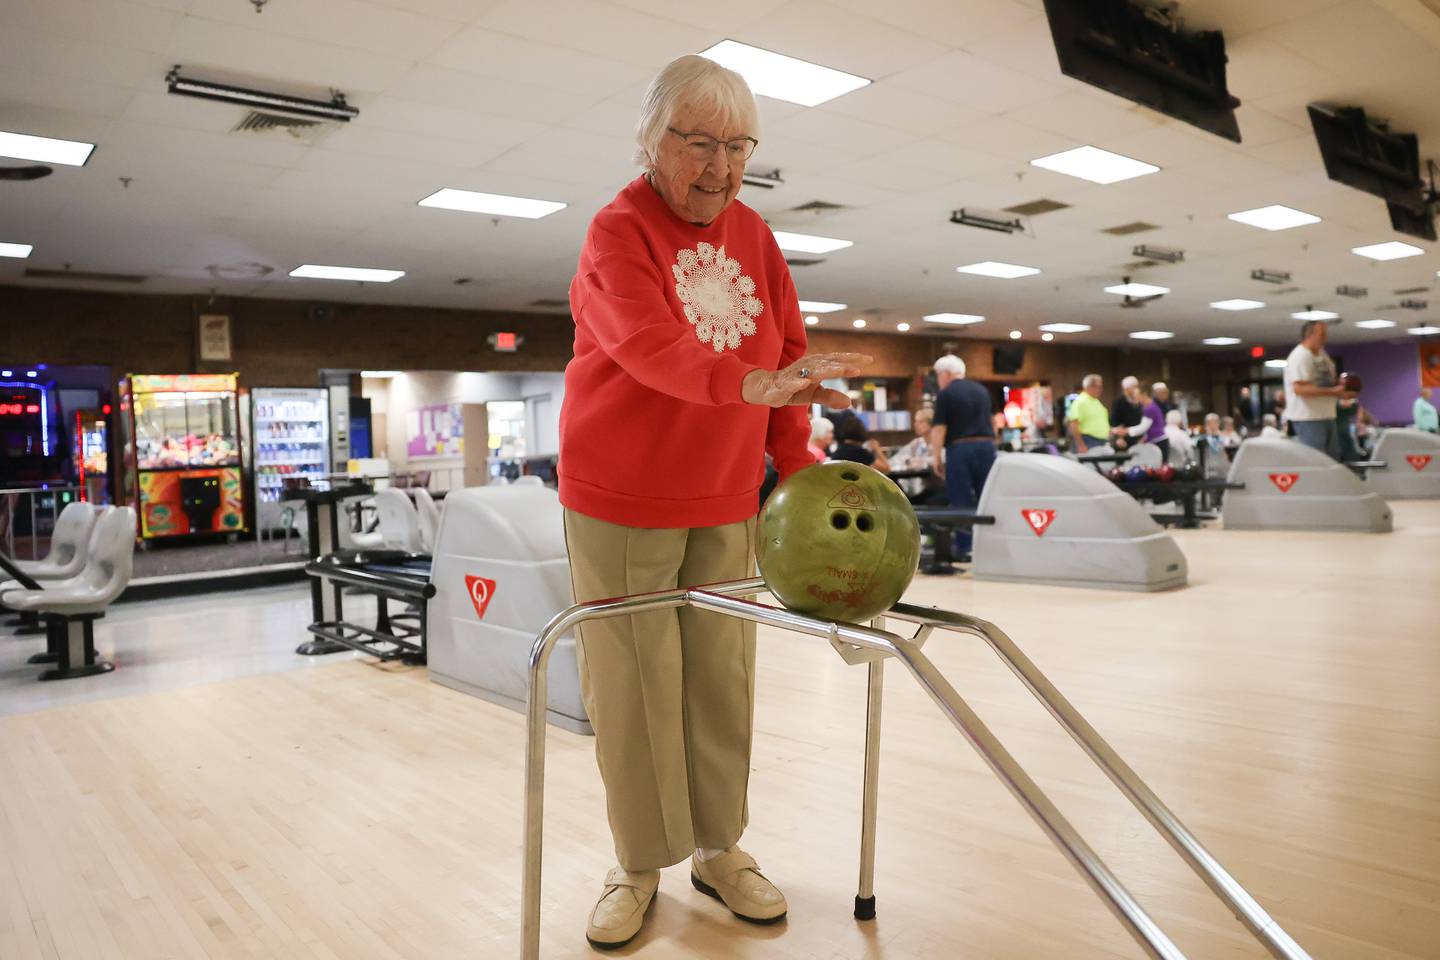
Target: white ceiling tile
{"x":601,"y":28}
{"x":969,"y":24}
{"x":376,"y":142}
{"x":821,"y":33}
{"x":971,"y":80}
{"x":571,"y":156}
{"x":1088,"y":116}
{"x":488,"y":53}
{"x":1259,"y":67}
{"x":845,"y":136}
{"x":72,"y":95}
{"x":121,"y":23}
{"x":1240,"y":18}
{"x":489,"y":95}
{"x":720,"y":18}
{"x":408,"y":116}
{"x":357,"y":24}
{"x":891,"y":106}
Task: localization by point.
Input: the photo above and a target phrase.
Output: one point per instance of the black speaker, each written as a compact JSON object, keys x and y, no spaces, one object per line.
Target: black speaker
{"x":1008,"y":359}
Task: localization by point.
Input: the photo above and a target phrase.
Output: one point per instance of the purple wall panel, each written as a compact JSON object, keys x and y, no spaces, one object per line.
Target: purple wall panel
{"x":1391,"y":372}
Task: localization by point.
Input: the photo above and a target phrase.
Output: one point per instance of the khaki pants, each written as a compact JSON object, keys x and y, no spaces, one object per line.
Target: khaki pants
{"x":670,"y":693}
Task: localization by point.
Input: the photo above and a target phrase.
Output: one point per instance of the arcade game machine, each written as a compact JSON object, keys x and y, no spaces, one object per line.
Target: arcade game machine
{"x":91,"y":454}
{"x":29,"y":454}
{"x":183,"y":453}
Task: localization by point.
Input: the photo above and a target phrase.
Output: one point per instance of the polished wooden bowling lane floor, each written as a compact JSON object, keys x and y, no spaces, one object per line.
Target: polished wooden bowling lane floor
{"x":1283,"y":704}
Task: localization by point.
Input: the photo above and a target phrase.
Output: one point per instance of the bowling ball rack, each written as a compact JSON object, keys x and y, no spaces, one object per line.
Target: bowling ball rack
{"x":872,"y":646}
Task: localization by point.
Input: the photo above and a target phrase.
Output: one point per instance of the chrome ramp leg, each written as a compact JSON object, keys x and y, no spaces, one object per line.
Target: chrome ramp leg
{"x":865,"y":899}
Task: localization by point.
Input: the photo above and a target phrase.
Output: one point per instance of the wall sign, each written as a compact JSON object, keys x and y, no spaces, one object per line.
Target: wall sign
{"x":213,"y":335}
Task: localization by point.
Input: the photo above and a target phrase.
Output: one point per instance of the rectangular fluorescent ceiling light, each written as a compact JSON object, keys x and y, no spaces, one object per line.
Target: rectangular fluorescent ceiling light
{"x":1064,"y":327}
{"x":1151,"y":335}
{"x":21,"y":146}
{"x":993,"y":268}
{"x":315,"y":271}
{"x":1424,"y":331}
{"x":17,"y":250}
{"x":954,"y":318}
{"x":1220,"y":341}
{"x":1137,"y":290}
{"x":1315,"y":315}
{"x":1275,"y":364}
{"x":1274,"y":217}
{"x":820,"y":306}
{"x":1095,"y":165}
{"x":775,"y":75}
{"x":1391,"y":250}
{"x":1376,"y":324}
{"x":805,"y":243}
{"x":1237,"y":304}
{"x":469,"y":201}
{"x":379,"y":374}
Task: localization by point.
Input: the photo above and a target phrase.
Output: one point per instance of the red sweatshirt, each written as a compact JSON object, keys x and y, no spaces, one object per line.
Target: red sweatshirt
{"x":669,"y":318}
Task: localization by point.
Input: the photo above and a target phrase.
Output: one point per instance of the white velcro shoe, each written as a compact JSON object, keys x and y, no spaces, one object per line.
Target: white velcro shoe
{"x":620,"y":912}
{"x":735,"y":880}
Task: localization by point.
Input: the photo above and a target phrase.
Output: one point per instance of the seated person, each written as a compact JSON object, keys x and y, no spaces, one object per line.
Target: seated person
{"x":1229,"y":436}
{"x":1270,"y":430}
{"x":855,"y":445}
{"x":1182,"y":448}
{"x":822,"y":436}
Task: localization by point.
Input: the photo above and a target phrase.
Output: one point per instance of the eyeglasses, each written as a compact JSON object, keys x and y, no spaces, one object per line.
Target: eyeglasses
{"x":702,"y":146}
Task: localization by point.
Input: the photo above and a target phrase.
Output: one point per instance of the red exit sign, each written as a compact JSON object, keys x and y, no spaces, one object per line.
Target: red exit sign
{"x":505,"y":342}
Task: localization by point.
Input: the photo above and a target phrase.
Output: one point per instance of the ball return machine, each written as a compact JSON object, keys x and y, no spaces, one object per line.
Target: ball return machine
{"x":872,"y":646}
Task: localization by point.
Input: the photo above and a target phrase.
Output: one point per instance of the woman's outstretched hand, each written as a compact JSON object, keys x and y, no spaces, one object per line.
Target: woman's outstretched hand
{"x":799,"y":383}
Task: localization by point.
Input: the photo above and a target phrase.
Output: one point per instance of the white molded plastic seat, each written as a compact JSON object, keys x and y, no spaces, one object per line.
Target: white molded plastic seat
{"x":429,"y":515}
{"x":529,"y":480}
{"x":1289,"y":486}
{"x":399,"y":523}
{"x":69,"y":545}
{"x":1145,"y":455}
{"x":104,"y":577}
{"x":501,"y":571}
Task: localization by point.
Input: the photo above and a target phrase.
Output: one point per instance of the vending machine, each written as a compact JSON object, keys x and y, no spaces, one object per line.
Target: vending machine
{"x":290,"y":434}
{"x":182,"y":453}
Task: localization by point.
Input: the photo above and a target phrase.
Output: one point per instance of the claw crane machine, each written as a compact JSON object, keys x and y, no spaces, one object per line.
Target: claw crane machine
{"x":182,"y":454}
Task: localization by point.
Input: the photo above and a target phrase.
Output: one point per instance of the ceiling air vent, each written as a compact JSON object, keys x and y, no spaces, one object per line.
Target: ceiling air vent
{"x":1139,"y":226}
{"x":1409,"y":290}
{"x":275,"y":126}
{"x":83,"y":276}
{"x":1037,"y":207}
{"x":817,"y":206}
{"x":804,"y":262}
{"x":550,"y":304}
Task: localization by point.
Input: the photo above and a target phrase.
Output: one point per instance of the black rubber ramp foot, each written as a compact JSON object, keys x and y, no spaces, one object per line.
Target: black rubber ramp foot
{"x":864,"y":908}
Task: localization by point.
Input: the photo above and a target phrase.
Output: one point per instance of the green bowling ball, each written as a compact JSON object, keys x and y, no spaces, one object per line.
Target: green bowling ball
{"x":838,"y":540}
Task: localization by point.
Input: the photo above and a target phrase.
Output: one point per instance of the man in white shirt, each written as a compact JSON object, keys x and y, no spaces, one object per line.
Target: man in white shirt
{"x":1311,"y":390}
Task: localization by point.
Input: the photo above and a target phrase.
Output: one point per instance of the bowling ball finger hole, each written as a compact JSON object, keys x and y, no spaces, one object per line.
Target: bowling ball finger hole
{"x":850,"y":475}
{"x":839,"y":521}
{"x":863,"y":523}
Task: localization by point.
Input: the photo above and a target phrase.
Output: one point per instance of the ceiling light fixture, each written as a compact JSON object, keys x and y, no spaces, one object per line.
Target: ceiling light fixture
{"x":494,"y":204}
{"x":902,"y":327}
{"x":1390,"y":250}
{"x":1015,"y":334}
{"x":1376,"y":324}
{"x":1165,"y":254}
{"x":785,"y":78}
{"x":811,"y":321}
{"x":315,"y":271}
{"x":1238,"y":304}
{"x":1001,"y":271}
{"x":968,"y":219}
{"x":1424,"y":330}
{"x":808,"y":243}
{"x":17,"y":250}
{"x":1220,"y":341}
{"x":23,"y":146}
{"x":1151,"y":335}
{"x":767,"y":180}
{"x":1274,"y":217}
{"x":1128,"y":289}
{"x":1047,"y":337}
{"x":858,"y":323}
{"x":1270,"y":276}
{"x":334,"y":109}
{"x":1065,"y":327}
{"x":958,"y":319}
{"x":1276,"y":364}
{"x":1096,"y":165}
{"x":379,"y":374}
{"x":1310,"y":313}
{"x":820,"y":306}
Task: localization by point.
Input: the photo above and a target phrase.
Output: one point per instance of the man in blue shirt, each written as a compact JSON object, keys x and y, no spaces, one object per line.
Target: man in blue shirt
{"x":965,"y":431}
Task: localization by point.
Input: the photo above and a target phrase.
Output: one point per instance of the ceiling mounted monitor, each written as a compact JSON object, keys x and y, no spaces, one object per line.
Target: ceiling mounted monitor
{"x":1144,"y":56}
{"x":1367,"y":155}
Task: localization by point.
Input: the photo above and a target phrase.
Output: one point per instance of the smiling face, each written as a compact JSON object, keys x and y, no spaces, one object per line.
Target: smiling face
{"x":697,"y":190}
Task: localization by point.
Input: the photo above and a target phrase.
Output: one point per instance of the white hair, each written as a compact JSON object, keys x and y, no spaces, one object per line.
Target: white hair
{"x":1129,"y":383}
{"x":1158,"y":385}
{"x":820,"y":428}
{"x":950,"y":364}
{"x":1212,"y":417}
{"x":1269,"y":420}
{"x":1091,"y":379}
{"x":701,"y":85}
{"x":1175,"y":418}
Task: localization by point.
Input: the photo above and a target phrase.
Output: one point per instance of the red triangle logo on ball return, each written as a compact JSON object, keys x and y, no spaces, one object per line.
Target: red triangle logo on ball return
{"x":1284,"y":481}
{"x":851,"y":497}
{"x":1039,"y":520}
{"x":1418,"y":460}
{"x":481,"y":592}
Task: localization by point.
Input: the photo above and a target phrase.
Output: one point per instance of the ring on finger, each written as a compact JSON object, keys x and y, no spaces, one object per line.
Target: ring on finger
{"x":804,"y":373}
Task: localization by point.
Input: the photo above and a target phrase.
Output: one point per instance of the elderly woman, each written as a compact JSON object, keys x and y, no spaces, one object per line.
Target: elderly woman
{"x":686,"y":325}
{"x":822,"y":437}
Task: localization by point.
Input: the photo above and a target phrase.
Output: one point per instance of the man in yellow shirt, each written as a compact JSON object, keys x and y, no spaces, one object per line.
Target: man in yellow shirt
{"x":1087,"y":420}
